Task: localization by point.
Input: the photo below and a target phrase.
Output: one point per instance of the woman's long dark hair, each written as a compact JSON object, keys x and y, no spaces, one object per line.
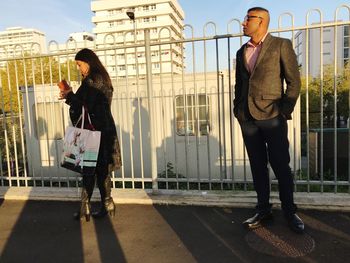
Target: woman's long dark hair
{"x":96,"y":69}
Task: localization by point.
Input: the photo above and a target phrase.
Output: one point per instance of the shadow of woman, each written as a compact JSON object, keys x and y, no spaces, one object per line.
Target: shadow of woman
{"x":107,"y":238}
{"x":44,"y":231}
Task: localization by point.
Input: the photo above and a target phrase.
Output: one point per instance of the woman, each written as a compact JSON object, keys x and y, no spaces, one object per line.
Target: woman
{"x":95,"y":94}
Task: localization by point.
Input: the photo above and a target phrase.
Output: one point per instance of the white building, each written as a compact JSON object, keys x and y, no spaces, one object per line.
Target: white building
{"x":190,"y":126}
{"x":15,"y":40}
{"x":114,"y":27}
{"x":328,"y":48}
{"x":76,"y":41}
{"x":82,"y":36}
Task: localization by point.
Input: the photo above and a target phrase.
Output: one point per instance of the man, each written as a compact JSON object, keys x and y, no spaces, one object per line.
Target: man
{"x":262,"y":107}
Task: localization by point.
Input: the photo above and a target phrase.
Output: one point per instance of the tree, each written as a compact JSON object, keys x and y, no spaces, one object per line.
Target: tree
{"x":30,"y":72}
{"x":314,"y":92}
{"x":20,"y":73}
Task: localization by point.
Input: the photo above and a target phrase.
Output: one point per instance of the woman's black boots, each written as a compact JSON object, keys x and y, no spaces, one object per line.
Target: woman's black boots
{"x":85,"y":208}
{"x":107,"y":205}
{"x":86,"y":193}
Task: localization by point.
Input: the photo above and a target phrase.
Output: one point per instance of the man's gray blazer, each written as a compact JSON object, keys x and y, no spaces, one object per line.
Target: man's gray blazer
{"x":261,"y":92}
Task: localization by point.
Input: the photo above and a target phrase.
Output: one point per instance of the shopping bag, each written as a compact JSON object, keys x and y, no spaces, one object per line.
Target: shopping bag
{"x":80,"y":148}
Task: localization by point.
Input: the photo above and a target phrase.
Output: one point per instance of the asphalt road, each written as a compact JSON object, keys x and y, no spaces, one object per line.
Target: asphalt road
{"x":44,"y":231}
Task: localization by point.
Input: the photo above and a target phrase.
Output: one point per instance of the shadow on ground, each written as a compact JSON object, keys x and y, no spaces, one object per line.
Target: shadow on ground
{"x":40,"y":231}
{"x":216,"y":235}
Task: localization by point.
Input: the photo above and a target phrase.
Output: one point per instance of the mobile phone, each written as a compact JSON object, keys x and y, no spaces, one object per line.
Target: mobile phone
{"x":63,"y":85}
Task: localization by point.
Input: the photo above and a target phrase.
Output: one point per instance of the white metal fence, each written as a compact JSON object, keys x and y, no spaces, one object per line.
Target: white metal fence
{"x":173,"y":110}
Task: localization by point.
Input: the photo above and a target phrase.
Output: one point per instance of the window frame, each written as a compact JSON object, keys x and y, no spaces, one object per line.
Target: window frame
{"x":192,"y":109}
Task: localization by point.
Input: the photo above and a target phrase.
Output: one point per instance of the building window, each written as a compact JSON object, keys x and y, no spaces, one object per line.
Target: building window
{"x":49,"y":121}
{"x":131,"y":56}
{"x":145,"y":8}
{"x":153,"y":7}
{"x":122,"y":67}
{"x":111,"y":58}
{"x":111,"y":69}
{"x":346,"y":53}
{"x":146,"y":19}
{"x":191,"y":115}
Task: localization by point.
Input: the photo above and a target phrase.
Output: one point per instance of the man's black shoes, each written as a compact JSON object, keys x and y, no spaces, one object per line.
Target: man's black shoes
{"x":295,"y":223}
{"x":258,"y":220}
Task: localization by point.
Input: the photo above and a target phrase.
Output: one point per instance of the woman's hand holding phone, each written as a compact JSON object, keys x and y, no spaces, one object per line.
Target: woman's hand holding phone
{"x":64,"y":89}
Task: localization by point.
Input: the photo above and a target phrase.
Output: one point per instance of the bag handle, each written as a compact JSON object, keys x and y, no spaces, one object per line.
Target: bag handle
{"x":83,"y":108}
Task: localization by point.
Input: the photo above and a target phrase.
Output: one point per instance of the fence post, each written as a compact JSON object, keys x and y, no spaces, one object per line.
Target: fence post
{"x":150,"y":107}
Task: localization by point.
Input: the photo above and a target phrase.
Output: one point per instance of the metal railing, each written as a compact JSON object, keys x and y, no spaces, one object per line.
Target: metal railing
{"x":173,"y":109}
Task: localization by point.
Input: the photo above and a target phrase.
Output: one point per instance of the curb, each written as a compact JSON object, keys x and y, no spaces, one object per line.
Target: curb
{"x":319,"y":201}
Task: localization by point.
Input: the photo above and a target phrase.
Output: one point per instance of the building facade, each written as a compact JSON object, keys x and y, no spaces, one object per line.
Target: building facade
{"x":122,"y":23}
{"x":75,"y":41}
{"x":15,"y":40}
{"x":329,"y":44}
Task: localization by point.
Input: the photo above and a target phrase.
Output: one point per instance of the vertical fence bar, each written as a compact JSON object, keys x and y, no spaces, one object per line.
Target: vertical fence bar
{"x":162,"y":98}
{"x":223,"y":124}
{"x":321,"y":103}
{"x":307,"y":127}
{"x":335,"y":114}
{"x":231,"y":92}
{"x":219,"y":109}
{"x":150,"y":107}
{"x":137,"y":75}
{"x":7,"y":139}
{"x":193,"y":154}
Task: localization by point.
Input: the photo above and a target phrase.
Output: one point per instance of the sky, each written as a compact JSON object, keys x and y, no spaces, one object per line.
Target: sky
{"x":58,"y":18}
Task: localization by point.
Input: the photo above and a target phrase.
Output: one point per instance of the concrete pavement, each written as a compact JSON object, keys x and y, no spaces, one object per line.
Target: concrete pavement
{"x":44,"y":231}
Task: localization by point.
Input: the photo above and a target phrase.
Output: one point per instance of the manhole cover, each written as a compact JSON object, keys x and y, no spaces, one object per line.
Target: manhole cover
{"x":278,"y":241}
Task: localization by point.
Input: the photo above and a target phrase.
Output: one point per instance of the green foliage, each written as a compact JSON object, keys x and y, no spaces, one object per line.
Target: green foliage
{"x":169,"y":173}
{"x":314,"y":91}
{"x":30,"y":72}
{"x":19,"y":73}
{"x":10,"y":141}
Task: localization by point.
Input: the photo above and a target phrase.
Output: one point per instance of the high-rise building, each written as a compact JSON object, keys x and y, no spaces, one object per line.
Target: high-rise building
{"x":15,"y":40}
{"x":76,"y":41}
{"x":81,"y":36}
{"x":342,"y":42}
{"x":120,"y":23}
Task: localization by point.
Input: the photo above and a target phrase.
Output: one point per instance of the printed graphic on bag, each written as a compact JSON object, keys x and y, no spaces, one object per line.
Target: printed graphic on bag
{"x":80,"y":150}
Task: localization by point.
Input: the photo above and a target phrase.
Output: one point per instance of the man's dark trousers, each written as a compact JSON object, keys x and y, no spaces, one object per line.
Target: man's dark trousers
{"x":267,"y":141}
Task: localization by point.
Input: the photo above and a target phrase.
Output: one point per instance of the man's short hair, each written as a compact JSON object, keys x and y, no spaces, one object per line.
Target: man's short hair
{"x":257,"y":8}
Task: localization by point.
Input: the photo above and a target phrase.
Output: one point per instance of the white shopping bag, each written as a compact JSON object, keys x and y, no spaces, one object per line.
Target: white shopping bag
{"x":80,"y":148}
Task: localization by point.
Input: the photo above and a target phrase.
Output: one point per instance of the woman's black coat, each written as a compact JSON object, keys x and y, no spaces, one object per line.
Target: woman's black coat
{"x":96,"y":97}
